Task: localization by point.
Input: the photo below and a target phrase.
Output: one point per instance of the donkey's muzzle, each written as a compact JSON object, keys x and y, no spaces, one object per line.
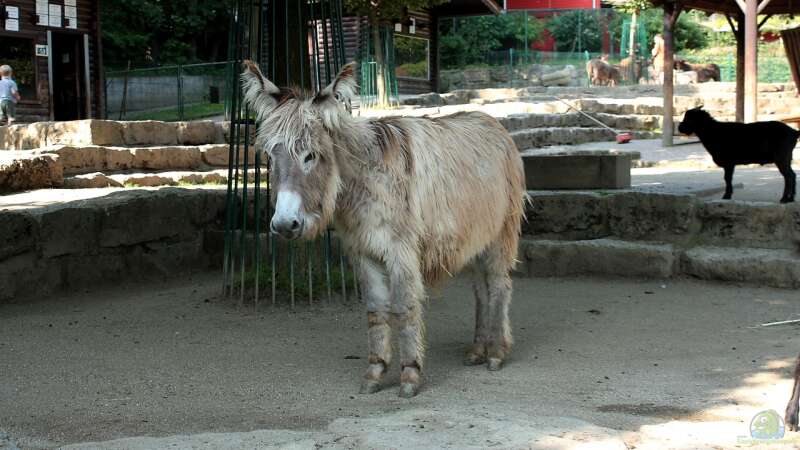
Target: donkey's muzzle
{"x":287,"y":228}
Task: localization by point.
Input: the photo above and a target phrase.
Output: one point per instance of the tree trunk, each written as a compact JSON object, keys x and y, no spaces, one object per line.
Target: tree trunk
{"x":380,"y":67}
{"x":632,"y":47}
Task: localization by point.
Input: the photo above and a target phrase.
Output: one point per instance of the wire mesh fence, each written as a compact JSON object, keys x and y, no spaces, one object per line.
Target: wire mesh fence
{"x":169,"y":93}
{"x":515,"y":68}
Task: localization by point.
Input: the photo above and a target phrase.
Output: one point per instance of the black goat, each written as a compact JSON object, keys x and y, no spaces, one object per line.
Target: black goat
{"x":732,"y":143}
{"x":791,"y":408}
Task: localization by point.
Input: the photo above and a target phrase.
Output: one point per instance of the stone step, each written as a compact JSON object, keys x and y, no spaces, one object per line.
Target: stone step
{"x":112,"y":133}
{"x":152,"y":179}
{"x":578,"y":169}
{"x":547,"y":136}
{"x":517,"y":122}
{"x":20,"y":171}
{"x":766,"y":267}
{"x":96,"y":158}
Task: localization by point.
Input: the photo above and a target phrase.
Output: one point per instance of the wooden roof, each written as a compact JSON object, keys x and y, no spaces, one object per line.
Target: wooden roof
{"x":731,"y":7}
{"x":469,"y":8}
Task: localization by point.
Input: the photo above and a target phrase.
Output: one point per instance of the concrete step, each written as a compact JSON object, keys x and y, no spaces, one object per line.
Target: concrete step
{"x":765,"y":267}
{"x":20,"y":171}
{"x":96,"y":158}
{"x":112,"y":133}
{"x":519,"y":122}
{"x":152,"y":179}
{"x":547,"y":136}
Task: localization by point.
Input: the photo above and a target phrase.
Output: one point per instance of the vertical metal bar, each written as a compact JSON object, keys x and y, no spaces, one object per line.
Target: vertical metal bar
{"x":180,"y":92}
{"x":328,"y":264}
{"x":274,"y":257}
{"x":291,"y":274}
{"x":315,"y":44}
{"x":309,"y":262}
{"x":286,"y":39}
{"x":324,"y":21}
{"x":301,"y":29}
{"x":342,"y":270}
{"x":246,"y":164}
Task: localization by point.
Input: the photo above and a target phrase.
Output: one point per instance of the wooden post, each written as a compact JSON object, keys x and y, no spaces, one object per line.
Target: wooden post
{"x":751,"y":61}
{"x":667,"y":127}
{"x":739,"y":32}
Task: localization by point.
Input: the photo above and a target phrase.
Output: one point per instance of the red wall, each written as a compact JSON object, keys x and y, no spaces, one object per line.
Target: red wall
{"x":552,"y":4}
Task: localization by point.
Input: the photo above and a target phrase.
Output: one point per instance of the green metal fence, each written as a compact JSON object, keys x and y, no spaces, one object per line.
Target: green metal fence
{"x":169,"y":93}
{"x":369,"y":67}
{"x":258,"y":267}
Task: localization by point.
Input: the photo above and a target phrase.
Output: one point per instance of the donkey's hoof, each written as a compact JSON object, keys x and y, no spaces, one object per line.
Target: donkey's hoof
{"x":369,"y":387}
{"x":474,"y":359}
{"x":408,"y":390}
{"x":495,"y":364}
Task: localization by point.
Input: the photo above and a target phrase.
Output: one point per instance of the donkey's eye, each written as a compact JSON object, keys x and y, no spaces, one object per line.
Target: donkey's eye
{"x":309,"y":157}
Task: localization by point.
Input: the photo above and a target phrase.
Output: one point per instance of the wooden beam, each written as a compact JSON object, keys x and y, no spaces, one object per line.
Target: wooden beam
{"x":742,"y":5}
{"x":762,"y":5}
{"x":764,"y":20}
{"x":493,"y":7}
{"x":730,"y":22}
{"x":667,"y":127}
{"x":751,"y":61}
{"x":740,"y":68}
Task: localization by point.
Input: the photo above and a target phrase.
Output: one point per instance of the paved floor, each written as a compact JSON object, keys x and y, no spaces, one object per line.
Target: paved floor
{"x":601,"y":364}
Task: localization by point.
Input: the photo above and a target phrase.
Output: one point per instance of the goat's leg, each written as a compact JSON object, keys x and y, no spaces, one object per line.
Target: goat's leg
{"x":789,"y":181}
{"x":379,"y":334}
{"x":477,"y":353}
{"x":792,"y":407}
{"x":728,"y":182}
{"x":499,"y":261}
{"x":407,"y":293}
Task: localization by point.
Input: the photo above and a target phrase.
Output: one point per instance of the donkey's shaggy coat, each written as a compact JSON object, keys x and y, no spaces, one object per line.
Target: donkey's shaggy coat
{"x":413,"y":199}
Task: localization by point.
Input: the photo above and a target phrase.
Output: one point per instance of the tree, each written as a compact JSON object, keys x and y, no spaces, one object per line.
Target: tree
{"x":576,"y":31}
{"x":149,"y":32}
{"x":468,"y":40}
{"x":382,"y":13}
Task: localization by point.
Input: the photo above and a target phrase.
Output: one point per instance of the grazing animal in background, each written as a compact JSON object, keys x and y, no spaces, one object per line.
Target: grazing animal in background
{"x":705,"y":72}
{"x":732,"y":143}
{"x":601,"y":73}
{"x":630,"y":69}
{"x":414,"y":199}
{"x":792,"y":408}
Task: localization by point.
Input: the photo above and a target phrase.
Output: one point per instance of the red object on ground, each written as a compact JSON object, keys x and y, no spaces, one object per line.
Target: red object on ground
{"x":624,"y":138}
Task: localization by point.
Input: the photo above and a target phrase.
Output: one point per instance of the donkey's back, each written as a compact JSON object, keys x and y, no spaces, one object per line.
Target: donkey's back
{"x":468,"y":186}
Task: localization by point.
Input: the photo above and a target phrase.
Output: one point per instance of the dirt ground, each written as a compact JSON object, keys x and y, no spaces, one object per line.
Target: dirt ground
{"x":598,"y":363}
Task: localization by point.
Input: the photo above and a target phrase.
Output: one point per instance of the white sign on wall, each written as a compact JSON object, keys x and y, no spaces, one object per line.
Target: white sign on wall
{"x":42,"y":50}
{"x":12,"y":18}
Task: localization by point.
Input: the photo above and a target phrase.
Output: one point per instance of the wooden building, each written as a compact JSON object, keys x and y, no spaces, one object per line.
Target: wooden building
{"x":54,"y":47}
{"x":419,"y":30}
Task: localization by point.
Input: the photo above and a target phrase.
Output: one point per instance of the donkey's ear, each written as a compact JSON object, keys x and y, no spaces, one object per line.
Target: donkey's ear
{"x":336,"y":95}
{"x":258,"y":91}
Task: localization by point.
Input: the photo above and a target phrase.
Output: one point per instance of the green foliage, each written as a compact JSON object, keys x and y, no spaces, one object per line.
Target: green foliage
{"x":159,"y":32}
{"x":576,"y":31}
{"x":382,"y":11}
{"x":468,"y":40}
{"x":689,"y":34}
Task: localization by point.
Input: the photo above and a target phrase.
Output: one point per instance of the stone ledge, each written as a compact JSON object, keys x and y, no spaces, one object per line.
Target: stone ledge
{"x":113,"y":133}
{"x":598,"y":257}
{"x":767,"y":267}
{"x":122,"y":236}
{"x":777,"y":268}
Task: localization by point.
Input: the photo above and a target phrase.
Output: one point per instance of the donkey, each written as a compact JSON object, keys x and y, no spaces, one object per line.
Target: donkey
{"x":413,"y":200}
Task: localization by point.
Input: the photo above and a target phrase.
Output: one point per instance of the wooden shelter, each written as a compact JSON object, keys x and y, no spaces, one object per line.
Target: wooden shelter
{"x":743,"y":17}
{"x":55,"y":50}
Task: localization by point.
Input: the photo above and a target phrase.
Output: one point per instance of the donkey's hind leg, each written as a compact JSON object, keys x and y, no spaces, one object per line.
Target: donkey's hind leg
{"x":477,"y":352}
{"x":379,"y":334}
{"x":499,"y":261}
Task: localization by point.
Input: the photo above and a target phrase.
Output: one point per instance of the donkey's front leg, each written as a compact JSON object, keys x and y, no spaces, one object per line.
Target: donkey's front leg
{"x":407,"y":292}
{"x":379,"y":334}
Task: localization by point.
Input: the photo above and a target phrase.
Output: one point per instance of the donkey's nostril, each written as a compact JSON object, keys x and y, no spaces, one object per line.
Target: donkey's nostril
{"x":295,"y":225}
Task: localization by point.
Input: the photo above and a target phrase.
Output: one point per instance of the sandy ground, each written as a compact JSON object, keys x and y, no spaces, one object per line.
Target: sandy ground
{"x":597,"y":364}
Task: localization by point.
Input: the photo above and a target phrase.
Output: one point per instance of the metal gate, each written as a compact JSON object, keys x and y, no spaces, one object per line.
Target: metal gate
{"x":295,"y":43}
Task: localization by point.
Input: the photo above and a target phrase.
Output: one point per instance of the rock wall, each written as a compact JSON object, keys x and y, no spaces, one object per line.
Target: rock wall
{"x":125,"y":236}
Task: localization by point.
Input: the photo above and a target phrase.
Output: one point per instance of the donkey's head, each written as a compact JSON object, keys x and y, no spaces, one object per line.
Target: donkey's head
{"x":296,"y":130}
